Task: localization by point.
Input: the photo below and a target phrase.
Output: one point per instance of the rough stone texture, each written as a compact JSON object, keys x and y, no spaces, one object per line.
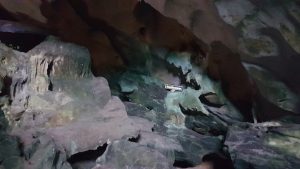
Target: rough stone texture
{"x":206,"y":124}
{"x":195,"y":146}
{"x":44,"y":153}
{"x":274,"y":90}
{"x":144,"y":89}
{"x":191,"y":71}
{"x":124,"y":154}
{"x":269,"y":35}
{"x":211,"y":99}
{"x":13,"y":70}
{"x":61,"y":109}
{"x":10,"y":152}
{"x":249,"y":16}
{"x":258,"y":147}
{"x":9,"y":147}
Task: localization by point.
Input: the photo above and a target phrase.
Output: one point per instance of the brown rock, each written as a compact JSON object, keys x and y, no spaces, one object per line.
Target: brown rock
{"x":199,"y":16}
{"x":226,"y":66}
{"x":128,"y":17}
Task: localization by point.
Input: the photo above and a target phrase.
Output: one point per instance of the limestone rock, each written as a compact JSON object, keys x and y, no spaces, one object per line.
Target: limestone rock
{"x":59,"y":109}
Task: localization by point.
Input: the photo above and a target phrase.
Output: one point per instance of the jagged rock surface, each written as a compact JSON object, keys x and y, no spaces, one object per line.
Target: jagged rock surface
{"x":124,"y":154}
{"x":57,"y":105}
{"x":59,"y":111}
{"x":257,"y":147}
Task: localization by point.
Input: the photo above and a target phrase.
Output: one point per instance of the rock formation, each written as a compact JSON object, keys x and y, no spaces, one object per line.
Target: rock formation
{"x":82,"y":84}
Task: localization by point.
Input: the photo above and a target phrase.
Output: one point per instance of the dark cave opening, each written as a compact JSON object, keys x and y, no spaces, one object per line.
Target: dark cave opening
{"x":22,"y":42}
{"x":182,"y":164}
{"x":49,"y":70}
{"x":135,"y":139}
{"x":7,"y":81}
{"x":219,"y":161}
{"x":86,"y":156}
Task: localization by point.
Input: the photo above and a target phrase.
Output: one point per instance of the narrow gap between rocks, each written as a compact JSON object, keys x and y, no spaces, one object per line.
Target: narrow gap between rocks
{"x":49,"y":70}
{"x":183,"y":164}
{"x":135,"y":139}
{"x":205,"y":101}
{"x":22,"y":42}
{"x":87,"y":156}
{"x":7,"y":81}
{"x":183,"y":77}
{"x":218,"y":161}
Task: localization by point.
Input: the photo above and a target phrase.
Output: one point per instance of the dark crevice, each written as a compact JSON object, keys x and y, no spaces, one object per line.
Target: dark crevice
{"x":135,"y":139}
{"x":7,"y":81}
{"x":56,"y":158}
{"x":149,"y":107}
{"x":182,"y":164}
{"x":21,"y":41}
{"x":87,"y":156}
{"x":14,"y":89}
{"x":193,"y":84}
{"x":50,"y":87}
{"x":218,"y":160}
{"x":203,"y":100}
{"x":142,"y":31}
{"x":183,"y":77}
{"x":189,"y":112}
{"x":49,"y":70}
{"x":124,"y":97}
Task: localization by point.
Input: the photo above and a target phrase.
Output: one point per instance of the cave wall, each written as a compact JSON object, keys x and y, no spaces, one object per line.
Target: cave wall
{"x":126,"y":35}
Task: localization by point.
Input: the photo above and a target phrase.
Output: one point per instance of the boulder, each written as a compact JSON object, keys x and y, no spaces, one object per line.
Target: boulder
{"x":264,"y":146}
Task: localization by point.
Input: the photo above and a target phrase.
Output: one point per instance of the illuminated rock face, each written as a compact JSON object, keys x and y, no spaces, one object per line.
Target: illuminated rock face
{"x":57,"y":101}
